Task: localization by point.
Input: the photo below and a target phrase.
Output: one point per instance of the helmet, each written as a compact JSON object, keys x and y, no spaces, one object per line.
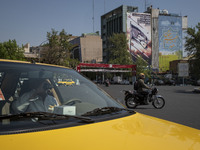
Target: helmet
{"x":141,"y":75}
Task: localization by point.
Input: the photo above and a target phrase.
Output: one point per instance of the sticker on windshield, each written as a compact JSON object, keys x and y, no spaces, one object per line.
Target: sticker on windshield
{"x":2,"y":98}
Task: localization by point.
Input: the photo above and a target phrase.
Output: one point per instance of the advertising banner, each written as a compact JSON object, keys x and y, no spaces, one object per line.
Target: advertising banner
{"x":170,"y":40}
{"x":139,"y":35}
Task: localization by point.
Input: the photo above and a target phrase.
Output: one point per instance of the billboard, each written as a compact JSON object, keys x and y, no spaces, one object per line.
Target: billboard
{"x":139,"y":35}
{"x":170,"y":40}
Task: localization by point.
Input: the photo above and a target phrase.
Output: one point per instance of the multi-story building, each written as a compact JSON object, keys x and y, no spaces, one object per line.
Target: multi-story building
{"x":114,"y":22}
{"x":88,"y":48}
{"x":31,"y":52}
{"x":155,"y":36}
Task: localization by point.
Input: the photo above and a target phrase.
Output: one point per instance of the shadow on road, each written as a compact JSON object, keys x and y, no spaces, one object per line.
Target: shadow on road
{"x":142,"y":108}
{"x":145,"y":107}
{"x":185,"y":92}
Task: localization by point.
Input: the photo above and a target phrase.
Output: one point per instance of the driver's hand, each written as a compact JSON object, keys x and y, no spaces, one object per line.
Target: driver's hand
{"x":34,"y":96}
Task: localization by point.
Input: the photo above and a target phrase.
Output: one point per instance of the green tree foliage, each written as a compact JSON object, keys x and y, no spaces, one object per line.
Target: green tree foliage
{"x":192,"y":46}
{"x":142,"y":67}
{"x":118,"y":54}
{"x":10,"y":50}
{"x":117,"y":50}
{"x":57,"y":50}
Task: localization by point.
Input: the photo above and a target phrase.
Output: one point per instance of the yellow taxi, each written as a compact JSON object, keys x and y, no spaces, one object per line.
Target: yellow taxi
{"x":66,"y":82}
{"x":36,"y":114}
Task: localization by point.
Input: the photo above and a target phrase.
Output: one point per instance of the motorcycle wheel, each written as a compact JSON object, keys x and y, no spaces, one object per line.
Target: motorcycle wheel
{"x":131,"y":102}
{"x":158,"y":103}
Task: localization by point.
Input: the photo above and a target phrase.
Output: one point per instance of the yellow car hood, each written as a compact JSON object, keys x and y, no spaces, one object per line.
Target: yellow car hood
{"x":135,"y":132}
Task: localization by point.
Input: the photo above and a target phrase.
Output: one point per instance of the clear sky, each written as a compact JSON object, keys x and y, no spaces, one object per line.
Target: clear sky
{"x":28,"y":21}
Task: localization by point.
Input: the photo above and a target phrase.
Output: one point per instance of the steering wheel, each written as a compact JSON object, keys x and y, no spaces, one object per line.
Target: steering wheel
{"x":72,"y":102}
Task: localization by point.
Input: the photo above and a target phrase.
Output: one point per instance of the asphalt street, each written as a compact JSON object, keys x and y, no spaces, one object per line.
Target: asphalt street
{"x":182,"y":104}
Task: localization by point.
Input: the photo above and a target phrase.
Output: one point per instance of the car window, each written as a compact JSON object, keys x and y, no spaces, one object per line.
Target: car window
{"x":29,"y":92}
{"x":18,"y":83}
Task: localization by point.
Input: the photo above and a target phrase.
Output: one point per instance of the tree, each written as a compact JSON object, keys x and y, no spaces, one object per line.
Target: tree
{"x":142,"y":67}
{"x":10,"y":50}
{"x":57,"y":50}
{"x":118,"y":50}
{"x":192,"y":46}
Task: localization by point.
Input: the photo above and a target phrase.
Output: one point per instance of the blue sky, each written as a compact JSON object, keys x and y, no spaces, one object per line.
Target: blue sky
{"x":28,"y":21}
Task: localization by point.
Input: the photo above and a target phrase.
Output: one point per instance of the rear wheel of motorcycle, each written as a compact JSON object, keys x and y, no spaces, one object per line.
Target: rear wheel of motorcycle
{"x":159,"y":103}
{"x":131,"y":102}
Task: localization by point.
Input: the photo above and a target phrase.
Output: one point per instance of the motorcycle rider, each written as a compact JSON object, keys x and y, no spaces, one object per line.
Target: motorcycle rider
{"x":142,"y":87}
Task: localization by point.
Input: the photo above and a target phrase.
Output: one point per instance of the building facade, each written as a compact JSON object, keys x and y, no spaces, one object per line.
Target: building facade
{"x":31,"y":52}
{"x":88,"y":48}
{"x":155,"y":36}
{"x":114,"y":22}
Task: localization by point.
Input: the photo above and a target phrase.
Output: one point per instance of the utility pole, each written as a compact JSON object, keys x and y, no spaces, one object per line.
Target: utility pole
{"x":93,"y":16}
{"x":145,"y":5}
{"x":104,"y":6}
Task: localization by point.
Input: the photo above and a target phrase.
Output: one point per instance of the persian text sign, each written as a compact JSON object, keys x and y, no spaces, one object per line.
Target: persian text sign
{"x":170,"y":34}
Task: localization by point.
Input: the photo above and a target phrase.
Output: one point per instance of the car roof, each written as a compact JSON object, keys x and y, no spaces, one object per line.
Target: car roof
{"x":27,"y":62}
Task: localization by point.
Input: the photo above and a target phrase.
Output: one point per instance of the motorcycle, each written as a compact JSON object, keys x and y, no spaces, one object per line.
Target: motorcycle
{"x":134,"y":99}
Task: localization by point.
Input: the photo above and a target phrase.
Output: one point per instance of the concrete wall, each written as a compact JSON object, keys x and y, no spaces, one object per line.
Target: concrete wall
{"x":91,"y":48}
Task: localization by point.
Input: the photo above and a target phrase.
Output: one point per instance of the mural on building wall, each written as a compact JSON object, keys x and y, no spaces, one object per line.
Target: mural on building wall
{"x":139,"y":35}
{"x":170,"y":40}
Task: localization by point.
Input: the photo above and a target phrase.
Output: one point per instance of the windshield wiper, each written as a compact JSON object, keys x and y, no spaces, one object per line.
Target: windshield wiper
{"x":106,"y":110}
{"x":45,"y":116}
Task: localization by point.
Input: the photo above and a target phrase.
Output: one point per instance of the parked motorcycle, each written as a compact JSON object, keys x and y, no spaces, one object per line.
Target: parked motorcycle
{"x":134,"y":99}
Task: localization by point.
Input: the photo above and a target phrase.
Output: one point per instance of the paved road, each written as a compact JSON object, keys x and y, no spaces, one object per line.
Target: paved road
{"x":182,"y":105}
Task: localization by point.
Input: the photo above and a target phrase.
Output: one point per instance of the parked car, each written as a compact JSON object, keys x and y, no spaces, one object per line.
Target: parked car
{"x":195,"y":82}
{"x":117,"y":80}
{"x":83,"y":116}
{"x":169,"y":82}
{"x":196,"y":90}
{"x":159,"y":82}
{"x":198,"y":82}
{"x":125,"y":82}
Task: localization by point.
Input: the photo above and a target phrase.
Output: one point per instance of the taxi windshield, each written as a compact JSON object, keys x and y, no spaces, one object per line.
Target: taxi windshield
{"x":27,"y":88}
